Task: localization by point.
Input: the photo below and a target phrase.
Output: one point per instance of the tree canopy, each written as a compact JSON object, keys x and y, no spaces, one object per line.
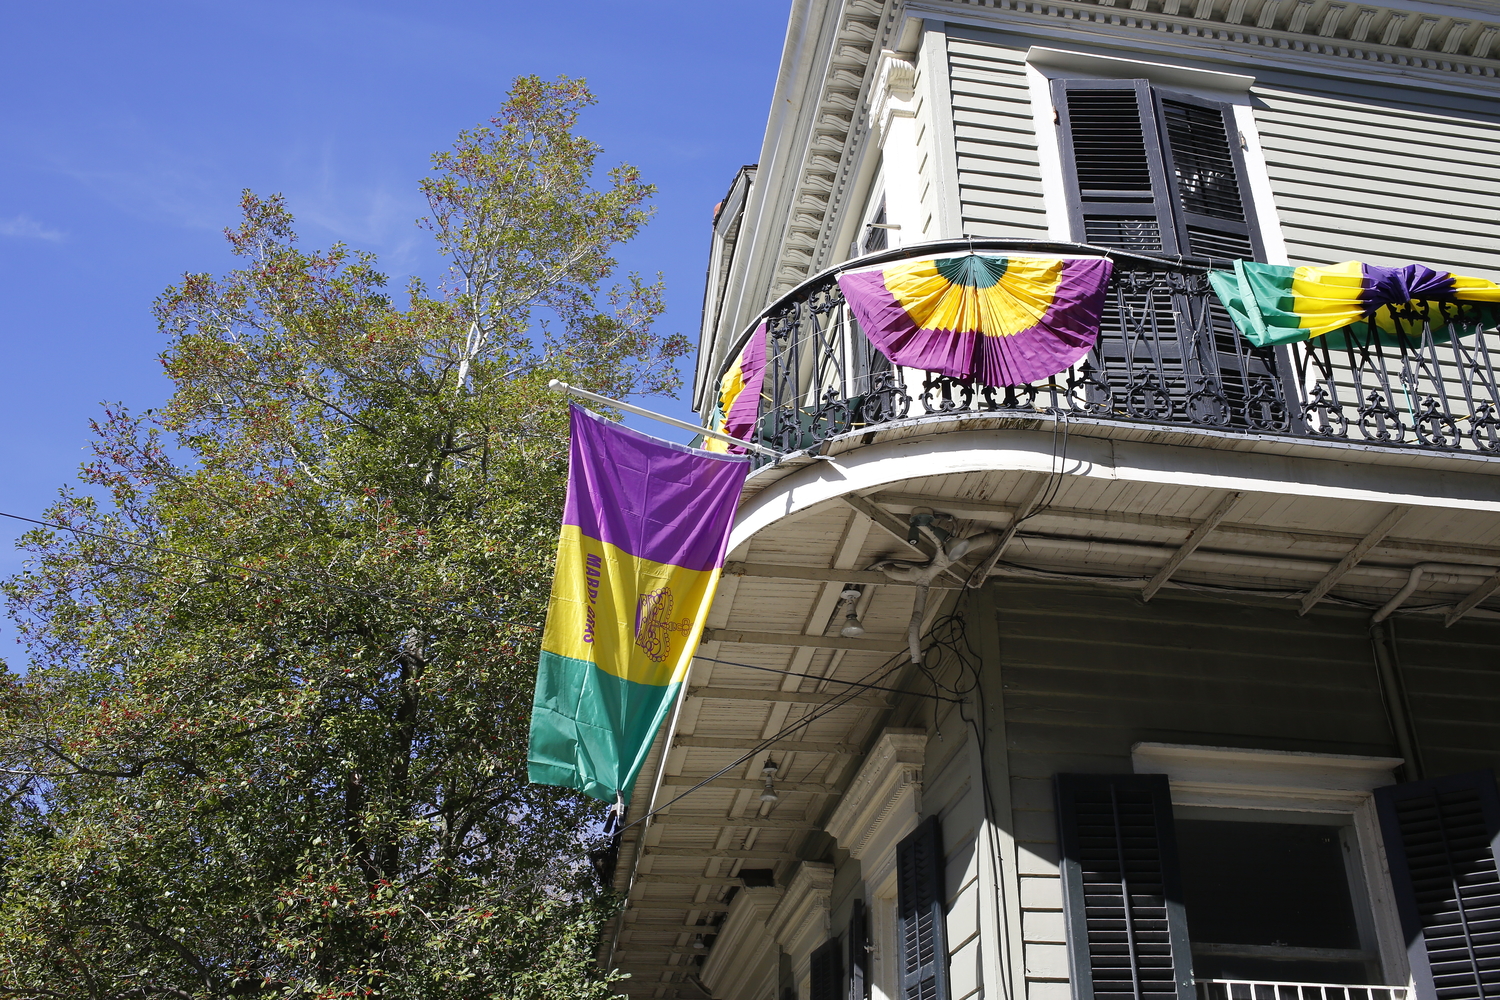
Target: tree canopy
{"x":272,"y":738}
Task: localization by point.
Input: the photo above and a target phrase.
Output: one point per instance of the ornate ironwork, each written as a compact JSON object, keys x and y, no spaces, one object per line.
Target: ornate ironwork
{"x":1168,"y":354}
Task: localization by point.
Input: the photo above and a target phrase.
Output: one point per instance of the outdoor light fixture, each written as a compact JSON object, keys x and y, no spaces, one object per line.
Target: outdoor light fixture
{"x":768,"y":772}
{"x":852,"y":629}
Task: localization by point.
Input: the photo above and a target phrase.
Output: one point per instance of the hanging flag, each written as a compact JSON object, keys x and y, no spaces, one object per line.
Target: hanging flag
{"x":738,"y":406}
{"x":1008,"y":320}
{"x":642,"y":543}
{"x":1280,"y":304}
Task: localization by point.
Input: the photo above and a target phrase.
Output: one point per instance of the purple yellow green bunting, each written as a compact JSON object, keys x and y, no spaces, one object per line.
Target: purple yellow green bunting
{"x":1280,"y":304}
{"x":638,"y":559}
{"x":738,"y":405}
{"x":1008,"y":320}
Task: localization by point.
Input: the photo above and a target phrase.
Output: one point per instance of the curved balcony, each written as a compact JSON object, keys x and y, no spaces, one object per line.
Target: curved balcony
{"x":1167,"y":353}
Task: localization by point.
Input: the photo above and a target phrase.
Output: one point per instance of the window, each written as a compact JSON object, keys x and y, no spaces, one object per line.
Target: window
{"x":1275,"y":896}
{"x":1152,"y":170}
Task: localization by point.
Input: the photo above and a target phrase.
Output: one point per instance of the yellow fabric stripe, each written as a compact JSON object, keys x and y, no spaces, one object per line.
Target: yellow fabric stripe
{"x":600,"y":592}
{"x":1328,"y":298}
{"x":1016,"y":302}
{"x":730,"y":387}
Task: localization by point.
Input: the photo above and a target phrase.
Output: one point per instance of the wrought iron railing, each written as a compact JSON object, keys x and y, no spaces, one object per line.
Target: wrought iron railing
{"x":1167,"y":353}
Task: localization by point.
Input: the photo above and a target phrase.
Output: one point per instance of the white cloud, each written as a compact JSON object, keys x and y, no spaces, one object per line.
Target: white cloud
{"x":26,"y":228}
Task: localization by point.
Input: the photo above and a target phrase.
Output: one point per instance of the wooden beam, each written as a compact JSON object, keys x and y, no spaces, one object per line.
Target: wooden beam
{"x":1469,"y":603}
{"x":1008,"y":535}
{"x":1193,"y":541}
{"x":795,"y":697}
{"x":687,"y":879}
{"x":810,"y":641}
{"x":720,"y":822}
{"x":719,"y":853}
{"x":727,"y":782}
{"x":791,"y":746}
{"x":1352,"y":558}
{"x":893,"y":525}
{"x":819,"y":575}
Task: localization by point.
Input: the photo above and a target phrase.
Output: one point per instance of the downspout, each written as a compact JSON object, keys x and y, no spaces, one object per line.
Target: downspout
{"x":1393,"y":695}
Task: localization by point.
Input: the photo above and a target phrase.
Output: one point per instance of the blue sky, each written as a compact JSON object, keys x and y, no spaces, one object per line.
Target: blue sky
{"x":128,"y":130}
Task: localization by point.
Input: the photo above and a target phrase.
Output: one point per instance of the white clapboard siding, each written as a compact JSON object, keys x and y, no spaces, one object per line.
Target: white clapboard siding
{"x":1383,"y":177}
{"x":999,"y":182}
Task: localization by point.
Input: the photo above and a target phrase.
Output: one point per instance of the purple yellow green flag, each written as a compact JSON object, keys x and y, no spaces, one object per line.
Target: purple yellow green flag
{"x":642,"y":543}
{"x":1009,"y":320}
{"x":1281,"y":304}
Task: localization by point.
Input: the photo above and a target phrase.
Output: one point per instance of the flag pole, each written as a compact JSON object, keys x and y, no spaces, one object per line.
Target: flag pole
{"x":572,"y":390}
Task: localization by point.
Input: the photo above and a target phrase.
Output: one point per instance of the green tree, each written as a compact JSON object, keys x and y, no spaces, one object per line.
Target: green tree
{"x":273,"y":739}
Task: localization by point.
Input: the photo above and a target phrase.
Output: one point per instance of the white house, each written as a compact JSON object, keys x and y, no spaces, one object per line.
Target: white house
{"x":1213,"y":701}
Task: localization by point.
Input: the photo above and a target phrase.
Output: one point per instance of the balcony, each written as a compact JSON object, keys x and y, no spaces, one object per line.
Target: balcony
{"x":1241,"y":989}
{"x":1167,"y":353}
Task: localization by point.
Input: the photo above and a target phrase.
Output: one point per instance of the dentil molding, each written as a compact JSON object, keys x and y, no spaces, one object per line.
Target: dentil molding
{"x":885,"y":795}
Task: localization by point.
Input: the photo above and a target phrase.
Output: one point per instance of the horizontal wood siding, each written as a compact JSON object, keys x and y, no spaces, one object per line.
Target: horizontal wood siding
{"x":1384,"y":175}
{"x":999,"y":182}
{"x":1086,"y":674}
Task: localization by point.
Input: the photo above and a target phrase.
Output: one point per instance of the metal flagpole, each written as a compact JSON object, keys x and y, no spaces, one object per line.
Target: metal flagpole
{"x":558,"y":386}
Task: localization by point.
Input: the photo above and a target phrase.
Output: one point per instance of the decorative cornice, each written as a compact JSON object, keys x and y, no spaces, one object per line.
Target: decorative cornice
{"x":890,"y":782}
{"x":864,"y":26}
{"x":744,"y":942}
{"x":1418,"y":40}
{"x":801,"y":921}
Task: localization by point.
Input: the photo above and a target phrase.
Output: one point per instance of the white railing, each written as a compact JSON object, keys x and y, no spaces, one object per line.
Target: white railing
{"x":1246,"y":989}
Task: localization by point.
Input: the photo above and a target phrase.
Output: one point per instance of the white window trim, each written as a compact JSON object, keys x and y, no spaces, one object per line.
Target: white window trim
{"x":1043,"y":65}
{"x":1287,"y":781}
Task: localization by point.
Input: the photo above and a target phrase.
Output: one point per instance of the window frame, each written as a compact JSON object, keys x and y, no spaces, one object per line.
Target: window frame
{"x":1044,"y":65}
{"x":1280,"y":781}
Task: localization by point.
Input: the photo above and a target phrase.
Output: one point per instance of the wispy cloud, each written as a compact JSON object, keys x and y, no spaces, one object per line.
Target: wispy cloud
{"x":24,"y":227}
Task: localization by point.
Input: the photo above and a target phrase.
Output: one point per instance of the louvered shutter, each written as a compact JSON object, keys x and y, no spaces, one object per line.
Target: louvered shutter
{"x":1206,"y":172}
{"x":859,"y":952}
{"x":1118,"y":195}
{"x":827,"y":972}
{"x":1440,"y":843}
{"x":920,"y":917}
{"x":1127,"y":934}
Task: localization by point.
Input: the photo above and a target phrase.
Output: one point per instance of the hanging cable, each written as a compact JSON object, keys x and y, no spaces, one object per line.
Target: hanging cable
{"x":813,"y":677}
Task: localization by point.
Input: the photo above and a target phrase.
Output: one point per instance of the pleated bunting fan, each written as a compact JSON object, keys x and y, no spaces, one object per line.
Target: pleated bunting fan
{"x":738,"y":405}
{"x":1009,"y":320}
{"x":1281,"y":304}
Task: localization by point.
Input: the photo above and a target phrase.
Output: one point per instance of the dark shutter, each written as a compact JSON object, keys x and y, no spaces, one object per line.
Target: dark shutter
{"x":1127,"y":935}
{"x":920,"y":914}
{"x":1118,"y":195}
{"x":1440,"y":844}
{"x":827,"y":972}
{"x":1206,"y":172}
{"x":859,"y":952}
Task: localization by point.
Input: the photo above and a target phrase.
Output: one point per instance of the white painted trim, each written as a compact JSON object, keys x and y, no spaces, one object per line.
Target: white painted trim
{"x":1224,"y":777}
{"x":801,"y":921}
{"x":946,"y":447}
{"x":743,"y":958}
{"x":884,"y":801}
{"x":1049,"y":154}
{"x":1067,"y":63}
{"x":1294,"y":782}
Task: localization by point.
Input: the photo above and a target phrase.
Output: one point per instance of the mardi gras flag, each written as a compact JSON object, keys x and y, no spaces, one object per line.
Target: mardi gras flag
{"x":643,"y":537}
{"x":1009,"y":320}
{"x":738,"y":406}
{"x":1280,"y":304}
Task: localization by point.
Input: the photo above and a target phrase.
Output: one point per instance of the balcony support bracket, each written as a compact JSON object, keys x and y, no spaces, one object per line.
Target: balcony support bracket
{"x":1374,"y":538}
{"x":1190,"y":546}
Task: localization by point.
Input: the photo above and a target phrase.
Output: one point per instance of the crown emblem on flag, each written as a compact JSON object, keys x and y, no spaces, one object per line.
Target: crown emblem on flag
{"x":654,"y":625}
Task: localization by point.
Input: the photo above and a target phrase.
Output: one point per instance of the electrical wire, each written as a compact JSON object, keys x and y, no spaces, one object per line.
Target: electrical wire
{"x":829,"y":680}
{"x":833,"y":704}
